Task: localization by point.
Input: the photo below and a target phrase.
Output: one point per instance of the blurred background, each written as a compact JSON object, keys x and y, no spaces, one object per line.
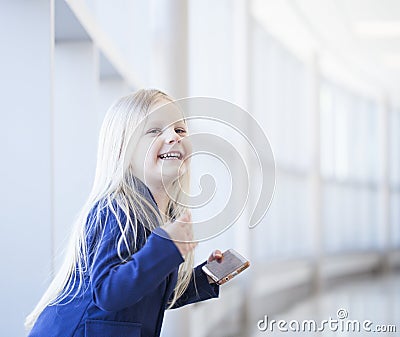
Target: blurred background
{"x":322,"y":77}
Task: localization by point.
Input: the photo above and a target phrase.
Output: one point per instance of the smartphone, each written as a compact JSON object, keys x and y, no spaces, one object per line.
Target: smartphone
{"x":231,"y":265}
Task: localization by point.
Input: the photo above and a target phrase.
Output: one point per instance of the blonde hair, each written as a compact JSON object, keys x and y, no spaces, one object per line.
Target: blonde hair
{"x":114,"y":187}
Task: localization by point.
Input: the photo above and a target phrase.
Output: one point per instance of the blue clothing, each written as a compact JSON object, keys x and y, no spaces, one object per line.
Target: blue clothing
{"x":124,"y":299}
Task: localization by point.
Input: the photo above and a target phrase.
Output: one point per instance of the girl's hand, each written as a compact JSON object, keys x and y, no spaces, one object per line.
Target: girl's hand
{"x":181,"y":233}
{"x":216,"y":255}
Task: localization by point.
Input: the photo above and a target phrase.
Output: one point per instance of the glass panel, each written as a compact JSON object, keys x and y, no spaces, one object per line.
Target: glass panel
{"x":280,"y":101}
{"x":349,"y":167}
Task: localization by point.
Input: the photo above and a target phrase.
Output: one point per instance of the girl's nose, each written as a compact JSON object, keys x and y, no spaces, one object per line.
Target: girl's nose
{"x":172,"y":136}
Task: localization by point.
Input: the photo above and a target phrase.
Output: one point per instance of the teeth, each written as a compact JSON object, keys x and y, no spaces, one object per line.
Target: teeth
{"x":170,"y":155}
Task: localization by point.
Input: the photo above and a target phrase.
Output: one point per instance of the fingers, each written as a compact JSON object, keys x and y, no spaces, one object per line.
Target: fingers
{"x":185,"y":218}
{"x":181,"y":233}
{"x":187,"y":243}
{"x":216,"y":255}
{"x":186,"y":226}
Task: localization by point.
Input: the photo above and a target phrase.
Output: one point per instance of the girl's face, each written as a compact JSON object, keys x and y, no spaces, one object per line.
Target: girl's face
{"x":162,"y":151}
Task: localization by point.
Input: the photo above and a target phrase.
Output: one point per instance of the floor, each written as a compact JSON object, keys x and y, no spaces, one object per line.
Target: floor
{"x":350,"y":308}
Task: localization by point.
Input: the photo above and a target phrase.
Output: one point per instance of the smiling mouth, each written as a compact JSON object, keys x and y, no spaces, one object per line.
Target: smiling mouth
{"x":170,"y":155}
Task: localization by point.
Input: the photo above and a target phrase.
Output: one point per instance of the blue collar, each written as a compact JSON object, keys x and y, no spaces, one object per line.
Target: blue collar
{"x":143,"y":189}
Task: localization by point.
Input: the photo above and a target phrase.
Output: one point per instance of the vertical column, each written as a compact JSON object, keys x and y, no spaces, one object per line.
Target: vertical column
{"x":241,"y":96}
{"x":76,"y":121}
{"x":316,"y":181}
{"x":169,"y":66}
{"x":76,"y":124}
{"x":241,"y":90}
{"x":26,"y":138}
{"x":384,"y":181}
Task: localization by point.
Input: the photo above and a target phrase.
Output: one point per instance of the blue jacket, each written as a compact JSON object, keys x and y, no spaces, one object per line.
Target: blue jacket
{"x":124,"y":299}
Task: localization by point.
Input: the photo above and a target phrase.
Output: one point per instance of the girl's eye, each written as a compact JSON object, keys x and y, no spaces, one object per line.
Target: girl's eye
{"x":154,"y":131}
{"x":180,"y":130}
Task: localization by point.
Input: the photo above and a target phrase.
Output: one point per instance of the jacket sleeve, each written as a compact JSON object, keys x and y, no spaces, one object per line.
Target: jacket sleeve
{"x":117,"y":285}
{"x":199,"y":289}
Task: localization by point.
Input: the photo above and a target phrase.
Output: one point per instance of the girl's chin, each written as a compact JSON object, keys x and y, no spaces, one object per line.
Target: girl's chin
{"x":171,"y":173}
{"x":170,"y":164}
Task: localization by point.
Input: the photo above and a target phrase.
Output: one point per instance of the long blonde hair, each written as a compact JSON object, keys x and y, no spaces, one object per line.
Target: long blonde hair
{"x":114,"y":188}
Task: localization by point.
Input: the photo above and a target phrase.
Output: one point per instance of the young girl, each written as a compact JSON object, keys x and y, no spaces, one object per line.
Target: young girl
{"x":130,"y":256}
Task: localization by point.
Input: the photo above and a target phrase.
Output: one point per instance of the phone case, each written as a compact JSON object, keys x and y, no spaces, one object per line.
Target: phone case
{"x":232,"y":264}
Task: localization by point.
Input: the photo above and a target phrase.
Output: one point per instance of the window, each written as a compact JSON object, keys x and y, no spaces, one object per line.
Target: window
{"x":349,"y":166}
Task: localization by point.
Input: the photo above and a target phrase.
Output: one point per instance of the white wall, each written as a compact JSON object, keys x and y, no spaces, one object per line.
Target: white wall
{"x":26,"y":165}
{"x":76,"y":126}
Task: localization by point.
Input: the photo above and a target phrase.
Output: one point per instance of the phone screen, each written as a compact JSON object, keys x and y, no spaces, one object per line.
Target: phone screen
{"x":232,"y":264}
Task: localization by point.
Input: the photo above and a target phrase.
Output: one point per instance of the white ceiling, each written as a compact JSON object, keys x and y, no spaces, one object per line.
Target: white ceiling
{"x":340,"y":26}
